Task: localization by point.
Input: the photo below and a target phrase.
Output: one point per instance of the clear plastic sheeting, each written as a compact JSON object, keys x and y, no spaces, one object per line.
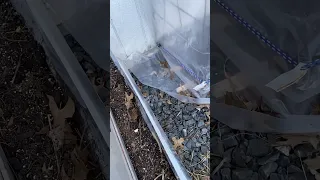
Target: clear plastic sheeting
{"x":165,"y":44}
{"x":257,"y":42}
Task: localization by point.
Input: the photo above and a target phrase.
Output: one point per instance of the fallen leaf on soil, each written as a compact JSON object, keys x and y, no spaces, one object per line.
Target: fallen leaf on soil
{"x":133,"y":113}
{"x":313,"y":165}
{"x":44,"y":130}
{"x":60,"y":131}
{"x":96,"y":87}
{"x":293,"y":140}
{"x":169,"y":102}
{"x":64,"y":175}
{"x":284,"y":149}
{"x":18,"y":29}
{"x":161,"y":94}
{"x":177,"y":143}
{"x":128,"y":100}
{"x":45,"y":169}
{"x":316,"y":109}
{"x":145,"y":94}
{"x":315,"y":173}
{"x":57,"y":137}
{"x":208,"y":115}
{"x":80,"y":169}
{"x":10,"y":123}
{"x":60,"y":115}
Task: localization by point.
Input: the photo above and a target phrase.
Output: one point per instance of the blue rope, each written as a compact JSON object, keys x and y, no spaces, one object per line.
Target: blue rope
{"x":259,"y":35}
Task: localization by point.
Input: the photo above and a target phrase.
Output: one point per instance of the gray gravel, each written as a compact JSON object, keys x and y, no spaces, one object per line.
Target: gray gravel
{"x":250,"y":157}
{"x":186,"y":121}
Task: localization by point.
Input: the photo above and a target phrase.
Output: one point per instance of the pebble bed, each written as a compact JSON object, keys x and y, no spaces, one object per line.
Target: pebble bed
{"x":249,"y":156}
{"x":187,"y":121}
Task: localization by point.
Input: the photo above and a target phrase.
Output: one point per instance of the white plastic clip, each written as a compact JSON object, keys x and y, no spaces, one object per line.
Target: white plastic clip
{"x":200,"y":86}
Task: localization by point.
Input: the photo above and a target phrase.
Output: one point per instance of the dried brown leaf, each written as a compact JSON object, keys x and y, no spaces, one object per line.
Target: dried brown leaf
{"x":145,"y":94}
{"x":164,"y":64}
{"x":133,"y":113}
{"x":293,"y":140}
{"x":169,"y":102}
{"x":128,"y":100}
{"x":96,"y":87}
{"x":315,"y":173}
{"x":208,"y":115}
{"x":313,"y":165}
{"x":53,"y":107}
{"x":44,"y":130}
{"x":68,"y":110}
{"x":316,"y":109}
{"x":177,"y":143}
{"x":59,"y":115}
{"x":10,"y":123}
{"x":161,"y":94}
{"x":18,"y":29}
{"x":57,"y":137}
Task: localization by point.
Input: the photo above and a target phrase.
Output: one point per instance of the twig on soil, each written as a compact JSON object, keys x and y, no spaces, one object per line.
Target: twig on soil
{"x":160,"y":175}
{"x":55,"y":151}
{"x":155,"y":137}
{"x":16,"y":71}
{"x":304,"y":172}
{"x":218,"y":167}
{"x":14,"y":40}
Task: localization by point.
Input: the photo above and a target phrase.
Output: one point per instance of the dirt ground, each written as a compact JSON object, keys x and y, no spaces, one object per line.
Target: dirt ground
{"x":149,"y":163}
{"x":25,"y":82}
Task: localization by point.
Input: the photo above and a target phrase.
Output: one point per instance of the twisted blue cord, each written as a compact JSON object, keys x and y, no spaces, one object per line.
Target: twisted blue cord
{"x":259,"y":35}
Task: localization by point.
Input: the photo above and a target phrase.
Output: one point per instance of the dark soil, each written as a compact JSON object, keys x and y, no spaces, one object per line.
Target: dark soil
{"x":25,"y":80}
{"x":143,"y":149}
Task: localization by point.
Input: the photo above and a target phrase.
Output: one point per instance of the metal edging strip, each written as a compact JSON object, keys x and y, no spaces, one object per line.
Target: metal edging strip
{"x":123,"y":147}
{"x":174,"y":161}
{"x":73,"y":68}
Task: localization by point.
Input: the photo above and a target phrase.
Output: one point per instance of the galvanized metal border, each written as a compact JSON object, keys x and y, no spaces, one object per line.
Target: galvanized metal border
{"x":155,"y":127}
